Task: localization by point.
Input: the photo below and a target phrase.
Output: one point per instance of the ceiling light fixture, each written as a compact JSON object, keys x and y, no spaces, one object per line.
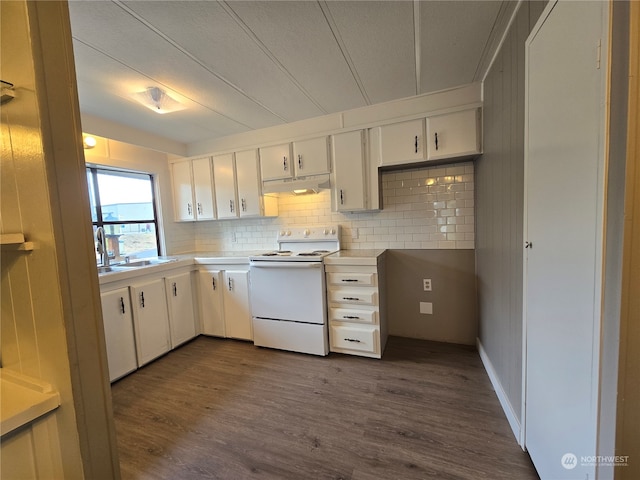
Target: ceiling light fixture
{"x":156,"y":99}
{"x":88,"y":142}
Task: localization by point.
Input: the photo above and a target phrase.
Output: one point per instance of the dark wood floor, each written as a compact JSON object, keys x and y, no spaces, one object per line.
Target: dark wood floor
{"x":225,"y":409}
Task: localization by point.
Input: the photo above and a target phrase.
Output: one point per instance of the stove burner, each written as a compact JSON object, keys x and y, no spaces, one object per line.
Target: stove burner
{"x":315,"y":253}
{"x":276,"y":253}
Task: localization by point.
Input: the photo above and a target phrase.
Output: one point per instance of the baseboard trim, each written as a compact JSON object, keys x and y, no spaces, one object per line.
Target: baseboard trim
{"x":512,"y":418}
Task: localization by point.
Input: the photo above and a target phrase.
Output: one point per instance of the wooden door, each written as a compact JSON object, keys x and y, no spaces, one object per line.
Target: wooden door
{"x":237,"y":314}
{"x":349,"y":171}
{"x":203,"y":189}
{"x":224,"y":176}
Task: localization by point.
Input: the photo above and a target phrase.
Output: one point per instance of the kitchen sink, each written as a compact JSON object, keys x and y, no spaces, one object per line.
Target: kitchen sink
{"x":137,"y":263}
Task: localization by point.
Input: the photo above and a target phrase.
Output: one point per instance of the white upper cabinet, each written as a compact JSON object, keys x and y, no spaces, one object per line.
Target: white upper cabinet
{"x":297,"y":159}
{"x":203,"y":189}
{"x":238,"y":187}
{"x":275,"y":162}
{"x":182,"y":191}
{"x":348,"y":154}
{"x":225,"y":180}
{"x":311,"y":157}
{"x":193,"y":190}
{"x":453,"y":135}
{"x":402,"y":143}
{"x":248,"y":181}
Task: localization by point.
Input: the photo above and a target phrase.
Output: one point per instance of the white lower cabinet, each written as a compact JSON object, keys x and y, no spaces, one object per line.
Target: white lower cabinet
{"x":151,"y":320}
{"x":211,"y":285}
{"x":181,"y":312}
{"x":357,"y":314}
{"x":118,"y":332}
{"x":237,"y":311}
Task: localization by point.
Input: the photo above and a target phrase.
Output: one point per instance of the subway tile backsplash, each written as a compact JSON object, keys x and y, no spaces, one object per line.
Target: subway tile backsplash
{"x":430,"y":208}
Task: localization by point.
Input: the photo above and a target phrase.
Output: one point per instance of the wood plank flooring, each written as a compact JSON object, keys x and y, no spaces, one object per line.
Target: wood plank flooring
{"x":224,"y":409}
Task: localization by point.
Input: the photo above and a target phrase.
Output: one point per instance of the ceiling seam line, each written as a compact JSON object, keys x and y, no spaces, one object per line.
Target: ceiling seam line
{"x":247,"y":30}
{"x":197,"y":60}
{"x":343,"y":49}
{"x":417,"y":38}
{"x":158,"y":82}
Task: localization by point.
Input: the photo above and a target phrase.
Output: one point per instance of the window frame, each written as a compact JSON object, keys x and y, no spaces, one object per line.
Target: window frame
{"x":100,"y":222}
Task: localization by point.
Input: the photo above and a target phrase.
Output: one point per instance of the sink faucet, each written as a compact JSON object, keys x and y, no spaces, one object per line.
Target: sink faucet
{"x":102,"y":246}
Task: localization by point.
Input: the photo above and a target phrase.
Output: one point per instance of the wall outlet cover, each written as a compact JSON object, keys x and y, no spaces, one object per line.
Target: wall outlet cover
{"x":426,"y":308}
{"x":426,"y":284}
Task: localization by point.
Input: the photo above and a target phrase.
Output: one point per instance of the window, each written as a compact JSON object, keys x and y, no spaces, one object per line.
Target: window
{"x":123,"y":204}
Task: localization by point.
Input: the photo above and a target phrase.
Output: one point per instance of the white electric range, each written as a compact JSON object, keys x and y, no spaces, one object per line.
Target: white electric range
{"x":288,"y":294}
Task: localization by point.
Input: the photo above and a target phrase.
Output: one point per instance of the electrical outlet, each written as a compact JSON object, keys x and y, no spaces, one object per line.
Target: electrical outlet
{"x":426,"y":284}
{"x":426,"y":308}
{"x":234,"y":238}
{"x":354,"y":233}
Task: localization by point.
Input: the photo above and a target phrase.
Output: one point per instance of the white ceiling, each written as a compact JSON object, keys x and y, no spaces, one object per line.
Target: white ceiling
{"x":243,"y":65}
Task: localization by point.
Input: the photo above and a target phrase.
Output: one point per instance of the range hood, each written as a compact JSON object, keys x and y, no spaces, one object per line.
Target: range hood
{"x":313,"y":182}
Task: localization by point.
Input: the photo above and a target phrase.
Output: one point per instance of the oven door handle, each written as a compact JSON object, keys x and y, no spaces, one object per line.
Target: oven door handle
{"x":294,"y":264}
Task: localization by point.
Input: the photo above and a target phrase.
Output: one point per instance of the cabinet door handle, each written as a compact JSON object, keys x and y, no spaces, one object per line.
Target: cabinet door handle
{"x":349,"y":280}
{"x":244,"y":205}
{"x":213,"y":282}
{"x":351,"y":317}
{"x":355,"y":340}
{"x":175,"y":289}
{"x":199,"y":208}
{"x":341,"y":197}
{"x":351,"y":298}
{"x":230,"y":284}
{"x":284,"y":163}
{"x":122,"y":305}
{"x":142,"y":299}
{"x":436,"y":135}
{"x":231,"y":205}
{"x":528,"y":244}
{"x":189,"y":209}
{"x":300,"y":162}
{"x":416,"y":144}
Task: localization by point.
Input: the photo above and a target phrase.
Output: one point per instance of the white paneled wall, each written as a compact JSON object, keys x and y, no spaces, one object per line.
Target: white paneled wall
{"x":423,"y":208}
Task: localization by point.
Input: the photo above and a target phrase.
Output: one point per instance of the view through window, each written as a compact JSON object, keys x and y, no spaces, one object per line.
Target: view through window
{"x":123,"y":204}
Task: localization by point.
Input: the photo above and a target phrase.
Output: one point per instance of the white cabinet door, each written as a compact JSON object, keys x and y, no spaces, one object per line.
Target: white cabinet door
{"x":402,"y":143}
{"x":150,"y":319}
{"x":181,"y":313}
{"x":453,"y":135}
{"x":348,"y":155}
{"x":237,"y":313}
{"x":275,"y":162}
{"x":211,"y":284}
{"x":203,"y":189}
{"x":311,"y":157}
{"x":118,"y":332}
{"x":224,"y":176}
{"x":248,"y":182}
{"x":564,"y":165}
{"x":182,"y":191}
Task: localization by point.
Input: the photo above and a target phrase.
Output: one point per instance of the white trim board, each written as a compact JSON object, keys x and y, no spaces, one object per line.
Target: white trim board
{"x":512,"y":418}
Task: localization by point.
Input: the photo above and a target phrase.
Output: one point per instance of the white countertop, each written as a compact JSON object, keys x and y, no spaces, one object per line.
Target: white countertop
{"x":354,"y":257}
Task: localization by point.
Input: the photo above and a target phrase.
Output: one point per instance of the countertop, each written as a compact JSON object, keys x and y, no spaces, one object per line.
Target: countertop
{"x":343,"y":257}
{"x":354,"y":257}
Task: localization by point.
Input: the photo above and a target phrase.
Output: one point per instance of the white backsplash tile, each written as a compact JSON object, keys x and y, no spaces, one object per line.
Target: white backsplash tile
{"x":430,"y":208}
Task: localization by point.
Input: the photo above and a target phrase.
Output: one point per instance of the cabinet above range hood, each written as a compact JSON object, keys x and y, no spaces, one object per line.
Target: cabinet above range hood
{"x":291,"y":185}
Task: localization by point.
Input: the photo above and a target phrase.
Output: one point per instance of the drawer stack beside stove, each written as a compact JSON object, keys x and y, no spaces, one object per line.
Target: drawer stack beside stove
{"x":357,"y":323}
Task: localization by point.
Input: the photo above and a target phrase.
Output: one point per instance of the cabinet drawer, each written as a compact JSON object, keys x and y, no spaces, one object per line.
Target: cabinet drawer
{"x":367,"y":279}
{"x":360,"y":338}
{"x":364,"y":297}
{"x":353,"y":315}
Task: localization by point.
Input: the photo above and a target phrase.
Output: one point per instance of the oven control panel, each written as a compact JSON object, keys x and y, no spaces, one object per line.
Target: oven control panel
{"x":329,"y":233}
